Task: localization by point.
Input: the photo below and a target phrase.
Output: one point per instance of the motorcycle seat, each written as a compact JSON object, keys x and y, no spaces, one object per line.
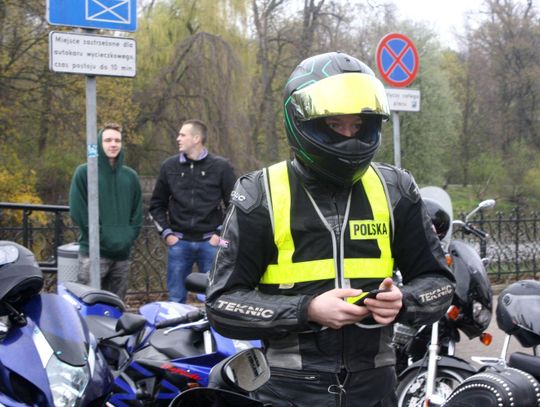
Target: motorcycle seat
{"x":526,"y":362}
{"x":92,"y":296}
{"x":178,"y":344}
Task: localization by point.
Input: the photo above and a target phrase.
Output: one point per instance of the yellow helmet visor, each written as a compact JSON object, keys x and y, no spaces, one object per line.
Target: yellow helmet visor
{"x":348,"y":93}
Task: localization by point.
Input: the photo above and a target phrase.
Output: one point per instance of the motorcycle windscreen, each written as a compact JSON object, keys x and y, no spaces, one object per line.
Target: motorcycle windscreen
{"x":440,"y":196}
{"x":62,"y":327}
{"x":470,"y":274}
{"x":207,"y":397}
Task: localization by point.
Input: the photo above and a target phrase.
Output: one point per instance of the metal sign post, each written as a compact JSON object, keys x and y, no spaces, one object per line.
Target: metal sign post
{"x":397,"y":60}
{"x":92,"y":180}
{"x":396,"y":138}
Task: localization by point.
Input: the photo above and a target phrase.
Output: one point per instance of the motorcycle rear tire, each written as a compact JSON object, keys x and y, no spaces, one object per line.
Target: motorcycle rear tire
{"x":411,"y":389}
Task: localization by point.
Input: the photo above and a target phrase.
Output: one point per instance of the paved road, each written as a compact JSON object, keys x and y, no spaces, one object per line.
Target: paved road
{"x":467,"y":348}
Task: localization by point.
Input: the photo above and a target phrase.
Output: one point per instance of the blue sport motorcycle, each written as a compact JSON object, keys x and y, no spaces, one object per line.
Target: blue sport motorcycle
{"x":155,"y":355}
{"x":48,"y":358}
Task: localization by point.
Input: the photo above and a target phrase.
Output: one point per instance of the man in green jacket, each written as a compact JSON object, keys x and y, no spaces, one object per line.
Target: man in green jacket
{"x":120,"y":212}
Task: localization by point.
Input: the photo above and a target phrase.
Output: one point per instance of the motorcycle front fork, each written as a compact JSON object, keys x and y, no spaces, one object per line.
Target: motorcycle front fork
{"x":433,"y":354}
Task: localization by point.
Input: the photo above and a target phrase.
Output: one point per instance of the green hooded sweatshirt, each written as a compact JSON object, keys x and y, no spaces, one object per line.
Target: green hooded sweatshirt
{"x":120,"y":206}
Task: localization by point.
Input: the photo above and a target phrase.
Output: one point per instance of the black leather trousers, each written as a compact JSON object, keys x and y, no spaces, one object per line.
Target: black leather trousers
{"x":294,"y":388}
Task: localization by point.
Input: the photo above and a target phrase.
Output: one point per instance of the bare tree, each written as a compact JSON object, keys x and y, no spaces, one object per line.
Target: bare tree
{"x":201,"y":81}
{"x":270,"y":48}
{"x":507,"y":47}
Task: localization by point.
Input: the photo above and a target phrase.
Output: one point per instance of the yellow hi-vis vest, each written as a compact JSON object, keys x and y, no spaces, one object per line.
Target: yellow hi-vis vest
{"x":365,"y":249}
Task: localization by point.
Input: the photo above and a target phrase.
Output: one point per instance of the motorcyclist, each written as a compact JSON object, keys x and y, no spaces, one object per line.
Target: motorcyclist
{"x":305,"y":238}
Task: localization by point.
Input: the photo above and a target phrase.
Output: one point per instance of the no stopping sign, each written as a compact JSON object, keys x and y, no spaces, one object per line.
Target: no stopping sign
{"x":397,"y":60}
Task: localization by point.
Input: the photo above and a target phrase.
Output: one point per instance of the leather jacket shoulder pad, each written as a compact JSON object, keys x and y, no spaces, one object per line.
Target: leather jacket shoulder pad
{"x":248,"y":191}
{"x":400,"y":183}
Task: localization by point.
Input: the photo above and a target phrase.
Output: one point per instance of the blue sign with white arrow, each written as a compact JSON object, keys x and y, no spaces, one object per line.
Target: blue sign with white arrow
{"x":97,"y":14}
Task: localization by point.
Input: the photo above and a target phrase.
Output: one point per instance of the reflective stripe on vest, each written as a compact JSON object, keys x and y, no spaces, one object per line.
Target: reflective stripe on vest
{"x":379,"y":228}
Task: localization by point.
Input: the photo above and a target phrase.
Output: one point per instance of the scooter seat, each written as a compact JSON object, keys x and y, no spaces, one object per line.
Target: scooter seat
{"x":92,"y":296}
{"x":526,"y":362}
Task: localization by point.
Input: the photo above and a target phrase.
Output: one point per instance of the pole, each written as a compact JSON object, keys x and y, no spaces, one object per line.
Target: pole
{"x":397,"y":143}
{"x":93,"y":192}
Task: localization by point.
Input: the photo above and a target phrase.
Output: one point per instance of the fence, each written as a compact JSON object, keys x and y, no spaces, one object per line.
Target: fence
{"x":44,"y":228}
{"x":512,"y":247}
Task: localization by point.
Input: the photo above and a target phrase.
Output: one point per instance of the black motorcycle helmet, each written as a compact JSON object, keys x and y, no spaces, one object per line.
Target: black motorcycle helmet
{"x":439,"y":217}
{"x":20,"y":275}
{"x":518,"y":311}
{"x":326,"y":85}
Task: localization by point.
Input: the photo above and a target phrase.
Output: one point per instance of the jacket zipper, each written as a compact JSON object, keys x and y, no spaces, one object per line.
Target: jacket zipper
{"x":339,"y":273}
{"x":336,"y":241}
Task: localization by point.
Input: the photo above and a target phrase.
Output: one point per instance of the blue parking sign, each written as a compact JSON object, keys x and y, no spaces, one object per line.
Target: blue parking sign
{"x":97,"y":14}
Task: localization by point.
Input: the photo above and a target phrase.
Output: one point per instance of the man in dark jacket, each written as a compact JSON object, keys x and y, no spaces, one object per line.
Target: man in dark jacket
{"x":305,"y":239}
{"x":187,"y":205}
{"x":120,"y":212}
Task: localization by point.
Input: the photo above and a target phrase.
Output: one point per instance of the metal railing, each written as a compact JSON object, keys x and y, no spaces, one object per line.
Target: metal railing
{"x":45,"y":228}
{"x":512,"y":247}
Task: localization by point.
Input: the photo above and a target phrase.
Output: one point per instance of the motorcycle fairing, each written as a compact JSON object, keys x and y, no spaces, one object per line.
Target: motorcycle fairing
{"x":162,"y":380}
{"x":161,"y":310}
{"x":231,"y":346}
{"x":470,"y":273}
{"x":54,"y":329}
{"x":472,"y":285}
{"x":67,"y":335}
{"x":6,"y":401}
{"x":25,"y":351}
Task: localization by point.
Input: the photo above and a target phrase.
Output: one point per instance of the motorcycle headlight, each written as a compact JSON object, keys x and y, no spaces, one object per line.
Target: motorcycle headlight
{"x":481,"y":315}
{"x":67,"y":382}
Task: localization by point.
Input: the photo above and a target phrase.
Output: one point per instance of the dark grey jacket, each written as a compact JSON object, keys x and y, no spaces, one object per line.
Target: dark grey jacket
{"x":239,"y":307}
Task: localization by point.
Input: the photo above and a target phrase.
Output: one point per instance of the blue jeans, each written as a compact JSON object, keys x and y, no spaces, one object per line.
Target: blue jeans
{"x":181,"y":257}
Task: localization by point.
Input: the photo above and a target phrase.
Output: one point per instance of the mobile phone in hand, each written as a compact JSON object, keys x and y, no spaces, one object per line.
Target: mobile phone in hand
{"x":370,"y":294}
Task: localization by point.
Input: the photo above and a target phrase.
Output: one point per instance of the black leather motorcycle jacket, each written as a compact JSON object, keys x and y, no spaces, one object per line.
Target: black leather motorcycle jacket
{"x":239,"y":307}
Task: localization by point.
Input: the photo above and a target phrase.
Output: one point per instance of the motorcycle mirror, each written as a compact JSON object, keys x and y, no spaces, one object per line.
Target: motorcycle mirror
{"x":247,"y":370}
{"x":130,"y":323}
{"x":488,"y":203}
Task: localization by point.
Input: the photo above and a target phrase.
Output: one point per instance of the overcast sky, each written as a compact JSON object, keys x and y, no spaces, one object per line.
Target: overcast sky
{"x":444,"y":16}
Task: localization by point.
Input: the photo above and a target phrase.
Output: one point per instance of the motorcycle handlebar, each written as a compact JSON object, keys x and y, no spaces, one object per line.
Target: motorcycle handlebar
{"x":191,"y":316}
{"x":470,"y":229}
{"x":481,"y":233}
{"x":477,"y":232}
